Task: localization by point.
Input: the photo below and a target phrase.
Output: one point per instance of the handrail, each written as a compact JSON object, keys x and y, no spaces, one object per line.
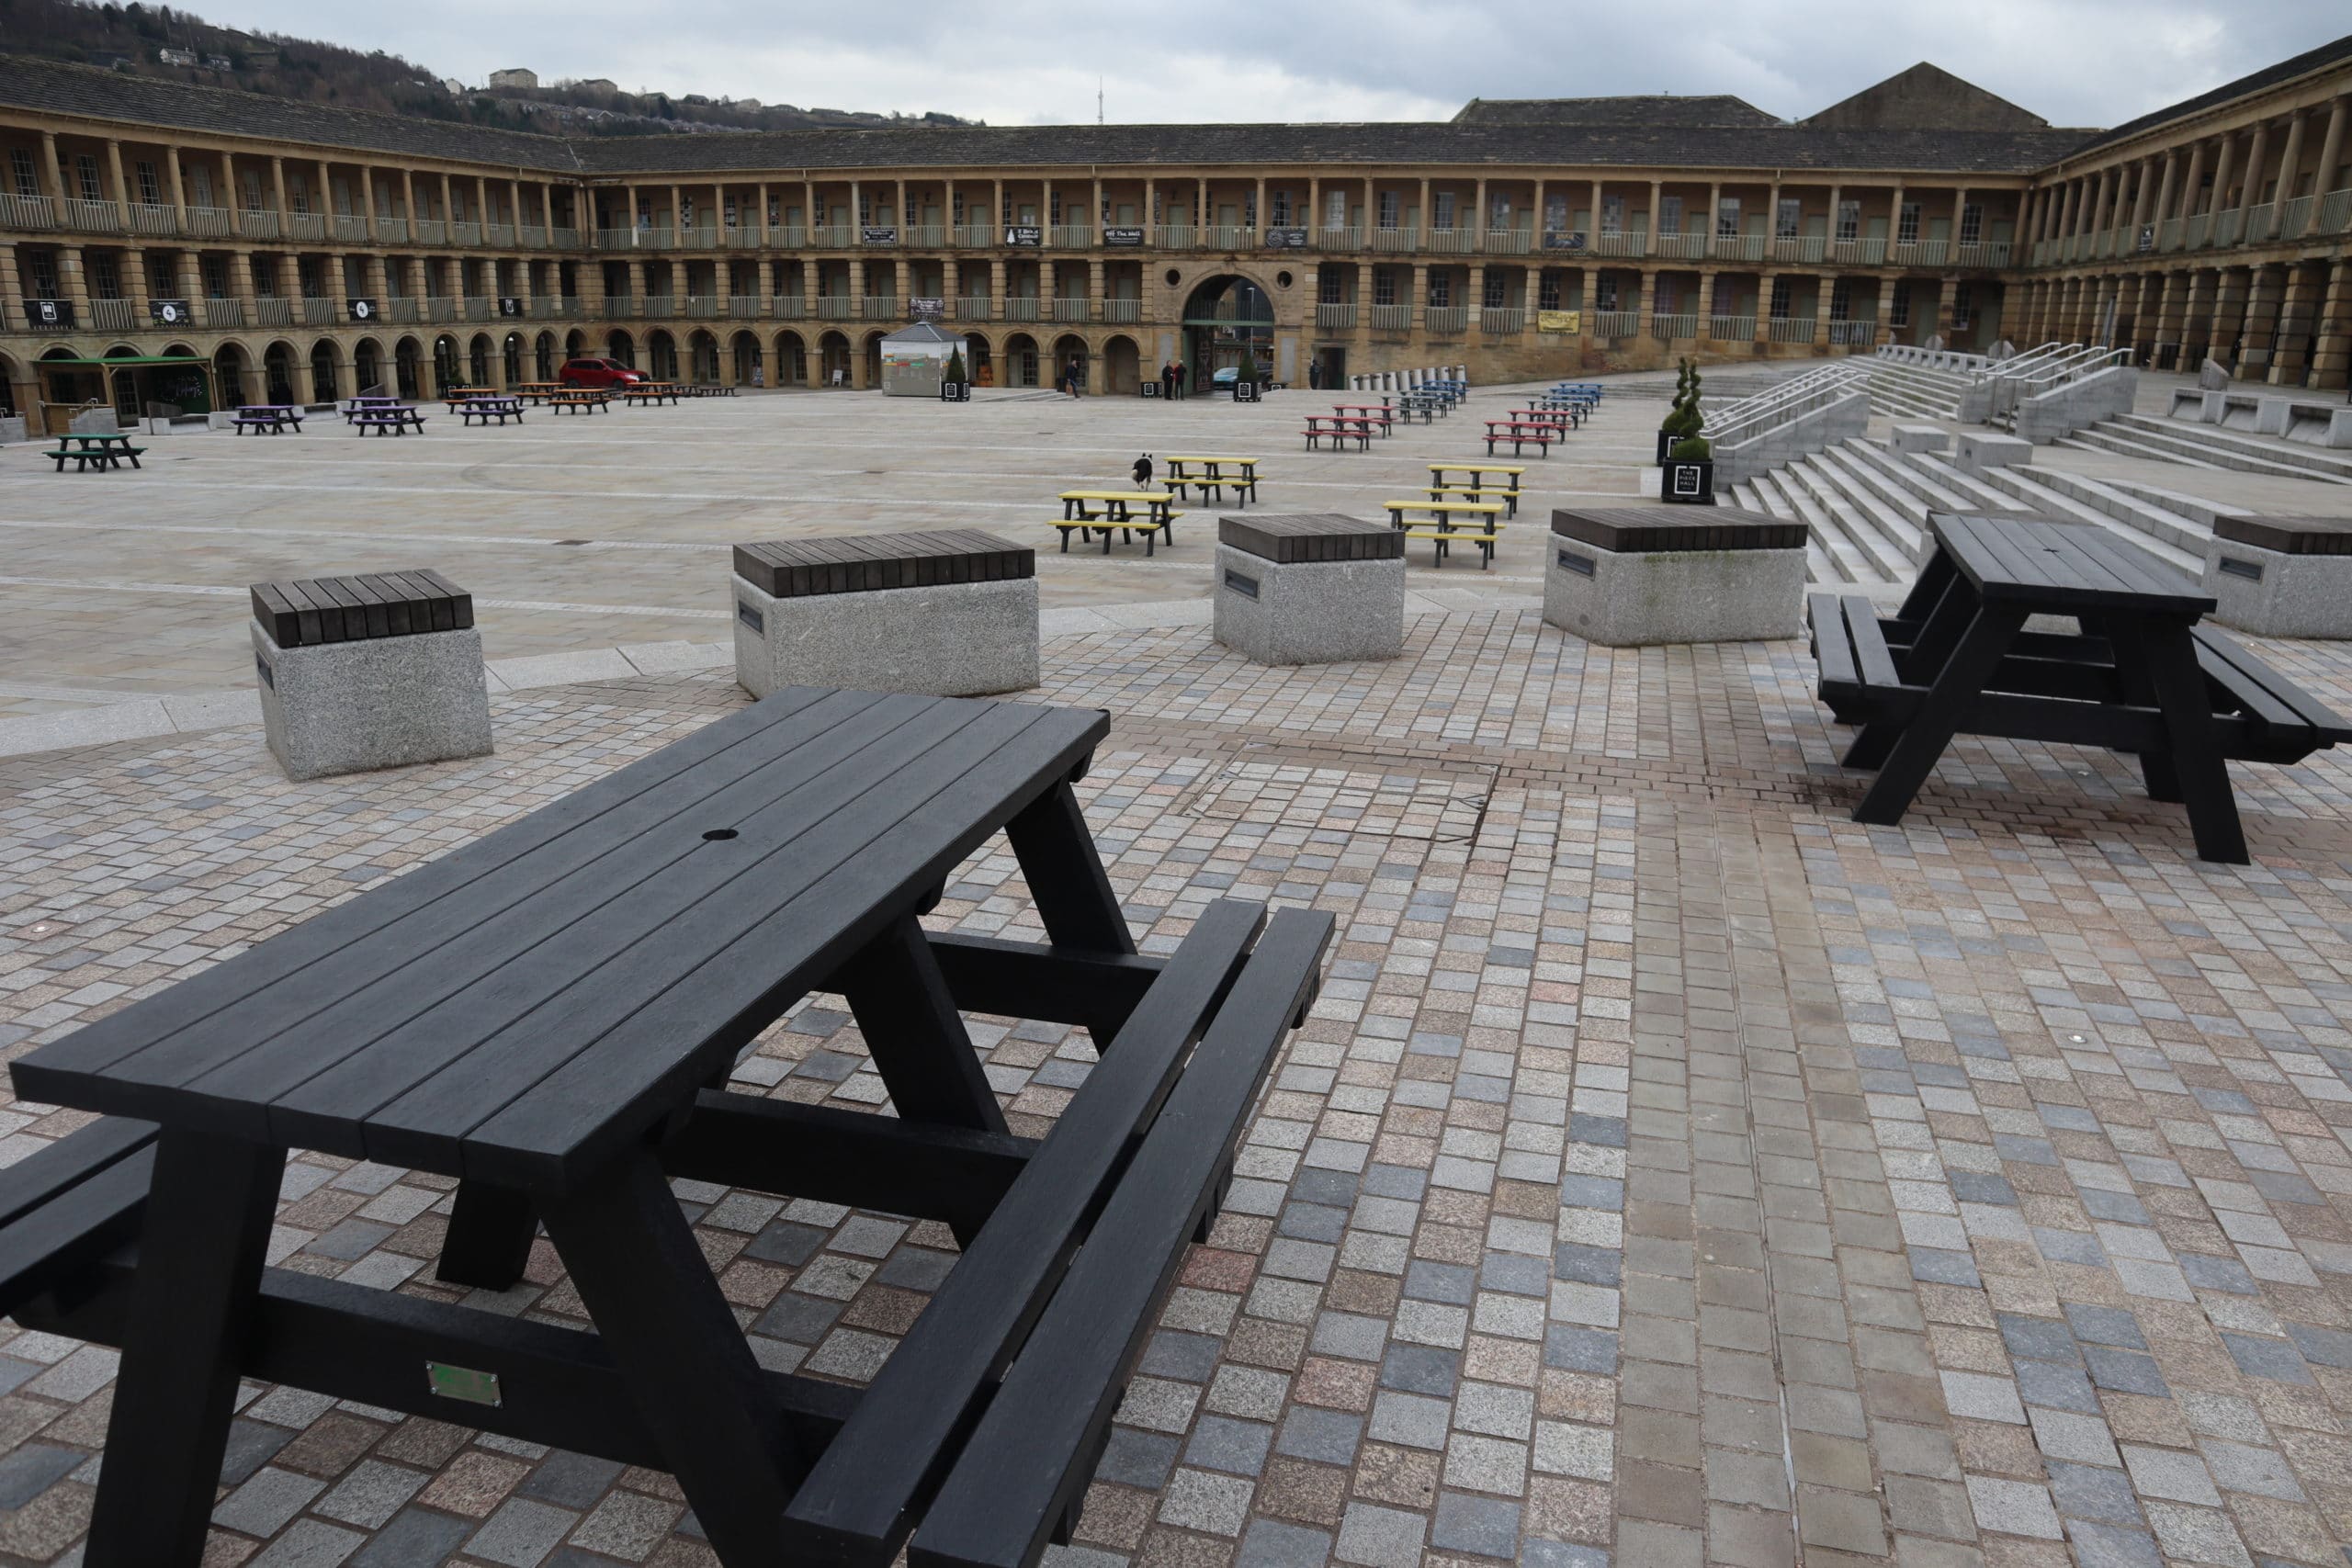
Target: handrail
{"x":1787,"y":401}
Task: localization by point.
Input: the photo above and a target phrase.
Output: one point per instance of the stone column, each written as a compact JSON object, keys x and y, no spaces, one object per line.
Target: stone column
{"x":2257,"y":164}
{"x":678,"y":213}
{"x":2142,"y":198}
{"x":950,"y":282}
{"x":2291,"y":160}
{"x":2334,"y":358}
{"x":856,"y":290}
{"x":73,"y":282}
{"x":1420,"y":297}
{"x":1940,"y":322}
{"x":2221,"y":202}
{"x":1822,"y":285}
{"x":2197,"y":319}
{"x":57,"y":169}
{"x":903,"y":275}
{"x":1421,"y":227}
{"x":2068,"y":209}
{"x":2298,"y":312}
{"x":2163,"y":192}
{"x":2170,"y":311}
{"x":229,"y":193}
{"x":114,"y":166}
{"x":1657,"y":207}
{"x":178,"y":188}
{"x":1477,"y":299}
{"x":2229,"y":315}
{"x":2262,"y":302}
{"x":1592,"y":219}
{"x":2331,"y":151}
{"x":2192,"y":179}
{"x":1764,"y":283}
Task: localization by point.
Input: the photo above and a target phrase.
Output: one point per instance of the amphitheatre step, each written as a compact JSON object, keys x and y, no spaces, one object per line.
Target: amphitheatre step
{"x":2235,"y":449}
{"x":2151,"y":517}
{"x":2102,"y":438}
{"x":1858,"y":516}
{"x":2046,"y":502}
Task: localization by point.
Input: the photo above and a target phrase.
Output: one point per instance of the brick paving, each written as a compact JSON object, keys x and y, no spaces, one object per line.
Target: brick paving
{"x":1672,"y":1173}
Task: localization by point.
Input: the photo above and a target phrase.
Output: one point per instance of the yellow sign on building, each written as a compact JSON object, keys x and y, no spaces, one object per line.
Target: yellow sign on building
{"x":1559,"y":321}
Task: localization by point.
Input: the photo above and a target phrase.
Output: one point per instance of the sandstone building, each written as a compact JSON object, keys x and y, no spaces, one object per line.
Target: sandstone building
{"x":297,"y":252}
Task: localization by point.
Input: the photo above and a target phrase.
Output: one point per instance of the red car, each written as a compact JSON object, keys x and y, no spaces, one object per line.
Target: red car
{"x":601,"y":373}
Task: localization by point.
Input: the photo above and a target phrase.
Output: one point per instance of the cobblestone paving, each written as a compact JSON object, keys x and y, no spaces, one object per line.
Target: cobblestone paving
{"x":1672,"y":1173}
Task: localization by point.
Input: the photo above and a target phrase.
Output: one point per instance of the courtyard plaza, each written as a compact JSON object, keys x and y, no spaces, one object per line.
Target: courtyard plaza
{"x":1671,"y":1172}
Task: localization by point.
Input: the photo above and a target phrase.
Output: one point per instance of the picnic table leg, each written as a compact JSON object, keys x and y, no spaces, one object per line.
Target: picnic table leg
{"x":1922,"y":740}
{"x":200,"y":1253}
{"x":1072,"y":891}
{"x":2199,"y":775}
{"x":916,"y":1035}
{"x":680,"y":1354}
{"x":489,"y":1240}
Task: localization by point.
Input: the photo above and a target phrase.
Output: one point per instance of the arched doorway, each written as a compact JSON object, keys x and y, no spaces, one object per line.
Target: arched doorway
{"x":576,"y":344}
{"x":977,"y":360}
{"x":228,"y":370}
{"x":1069,"y":353}
{"x":751,"y":369}
{"x":873,"y":358}
{"x":661,"y":356}
{"x":367,"y":366}
{"x":702,"y":357}
{"x":832,"y":359}
{"x":323,"y":360}
{"x":408,"y":369}
{"x":512,"y":356}
{"x":1122,"y":367}
{"x":1019,"y":361}
{"x":123,"y":386}
{"x":277,"y":373}
{"x":449,"y":365}
{"x":1225,"y":316}
{"x":623,"y":347}
{"x":9,"y":374}
{"x":543,"y":359}
{"x":791,"y":360}
{"x":477,"y":361}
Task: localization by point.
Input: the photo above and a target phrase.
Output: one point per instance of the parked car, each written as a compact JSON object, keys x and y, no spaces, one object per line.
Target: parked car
{"x":606,"y":374}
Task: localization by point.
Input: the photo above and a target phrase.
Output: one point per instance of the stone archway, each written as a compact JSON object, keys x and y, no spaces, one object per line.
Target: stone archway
{"x":326,"y":359}
{"x":621,"y":346}
{"x":277,"y":363}
{"x":1226,"y":316}
{"x":367,"y":365}
{"x":478,"y":355}
{"x":832,"y":358}
{"x":1021,"y":361}
{"x":1069,"y":352}
{"x":449,"y":365}
{"x":1122,"y":368}
{"x":748,"y":364}
{"x":791,"y":359}
{"x":543,"y":355}
{"x":977,"y":360}
{"x":408,"y":370}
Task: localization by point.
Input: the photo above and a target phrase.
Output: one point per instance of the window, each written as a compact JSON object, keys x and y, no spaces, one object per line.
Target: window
{"x":1898,"y":309}
{"x":1547,"y":291}
{"x":1789,"y":218}
{"x":216,"y":277}
{"x":85,"y":167}
{"x":1496,"y":292}
{"x":105,"y":275}
{"x":1384,"y":285}
{"x":1727,"y":218}
{"x":20,"y":164}
{"x":1612,"y":214}
{"x":252,"y":190}
{"x":1840,"y":299}
{"x":1606,"y":299}
{"x":1907,"y":224}
{"x":1960,"y":304}
{"x":1250,"y":208}
{"x":956,"y":210}
{"x":1335,"y":210}
{"x":1780,"y":300}
{"x":1279,"y":205}
{"x":1850,"y":220}
{"x":43,"y":281}
{"x":298,"y":193}
{"x":1326,"y":290}
{"x":1441,"y":216}
{"x":265,"y":275}
{"x":1389,"y":202}
{"x":161,"y":279}
{"x":1499,"y":212}
{"x":1053,"y":207}
{"x":1669,"y":215}
{"x":1440,"y":290}
{"x":1556,"y":214}
{"x":151,"y":189}
{"x":201,"y":182}
{"x":1972,"y":223}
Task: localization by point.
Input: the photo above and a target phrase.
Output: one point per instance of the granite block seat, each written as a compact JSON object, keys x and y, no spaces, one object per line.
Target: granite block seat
{"x":376,"y":671}
{"x":1309,"y":588}
{"x":1626,"y":576}
{"x":2281,"y":576}
{"x":952,"y":613}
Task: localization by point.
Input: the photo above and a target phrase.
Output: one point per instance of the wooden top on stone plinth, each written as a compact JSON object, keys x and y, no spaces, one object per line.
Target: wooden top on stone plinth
{"x":855,"y":563}
{"x":2289,"y":535}
{"x":310,"y":610}
{"x":1286,"y":538}
{"x":1650,"y":530}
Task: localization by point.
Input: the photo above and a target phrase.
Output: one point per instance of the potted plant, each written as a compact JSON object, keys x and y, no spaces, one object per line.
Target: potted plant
{"x":1687,"y":476}
{"x":1677,"y":426}
{"x":1244,"y":378}
{"x":955,"y":381}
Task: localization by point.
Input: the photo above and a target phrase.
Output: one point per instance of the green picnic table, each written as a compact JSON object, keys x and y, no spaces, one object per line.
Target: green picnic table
{"x":92,"y":449}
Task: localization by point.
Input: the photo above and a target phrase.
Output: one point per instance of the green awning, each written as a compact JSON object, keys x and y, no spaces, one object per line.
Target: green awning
{"x":130,"y":359}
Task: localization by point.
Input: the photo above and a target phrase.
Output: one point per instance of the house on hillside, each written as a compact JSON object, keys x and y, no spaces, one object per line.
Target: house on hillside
{"x":514,"y":76}
{"x":175,"y":56}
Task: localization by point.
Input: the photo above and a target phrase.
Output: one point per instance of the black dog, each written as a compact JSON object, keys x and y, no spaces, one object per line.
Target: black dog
{"x":1143,"y":470}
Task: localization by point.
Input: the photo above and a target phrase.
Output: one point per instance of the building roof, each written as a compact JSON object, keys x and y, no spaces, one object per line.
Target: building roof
{"x":78,"y":90}
{"x":1925,"y":97}
{"x":2268,"y":76}
{"x":1644,"y":109}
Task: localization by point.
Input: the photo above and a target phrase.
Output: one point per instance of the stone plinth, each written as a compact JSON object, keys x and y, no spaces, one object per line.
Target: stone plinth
{"x":1309,"y":589}
{"x":946,"y":614}
{"x":363,"y":673}
{"x":2282,"y":576}
{"x":1626,"y":576}
{"x":1921,"y":438}
{"x":1980,"y":450}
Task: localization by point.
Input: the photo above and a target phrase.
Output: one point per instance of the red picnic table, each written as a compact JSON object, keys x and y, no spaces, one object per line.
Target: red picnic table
{"x":1377,"y":413}
{"x":1520,"y":432}
{"x":1339,"y":429}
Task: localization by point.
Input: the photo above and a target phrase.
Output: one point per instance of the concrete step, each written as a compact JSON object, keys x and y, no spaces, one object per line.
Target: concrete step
{"x":1865,"y":476}
{"x":1980,"y":494}
{"x":1754,"y":496}
{"x":2235,"y":449}
{"x":1918,"y":482}
{"x":1843,"y":562}
{"x":2043,"y":501}
{"x":2101,"y":438}
{"x":2153,"y":518}
{"x":2196,"y":507}
{"x":1887,"y":559}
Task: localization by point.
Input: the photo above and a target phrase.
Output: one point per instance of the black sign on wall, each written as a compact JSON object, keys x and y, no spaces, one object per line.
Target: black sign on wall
{"x":510,"y":305}
{"x":925,"y":310}
{"x":1024,"y":234}
{"x":1285,"y":239}
{"x":50,"y":312}
{"x":170,"y":312}
{"x":360,"y":309}
{"x":872,"y":235}
{"x":1563,"y":239}
{"x":1122,"y":236}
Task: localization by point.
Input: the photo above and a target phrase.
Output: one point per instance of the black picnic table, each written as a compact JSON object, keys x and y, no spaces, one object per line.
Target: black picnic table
{"x":275,"y":418}
{"x":542,"y":1016}
{"x":487,"y":406}
{"x":88,"y":449}
{"x":2141,"y":676}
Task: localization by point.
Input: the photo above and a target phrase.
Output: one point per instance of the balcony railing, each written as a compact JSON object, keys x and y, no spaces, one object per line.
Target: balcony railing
{"x":1859,"y":333}
{"x":1673,"y":328}
{"x":1230,"y":237}
{"x":740,"y":237}
{"x":930,"y":235}
{"x":1447,"y":321}
{"x":1800,"y":248}
{"x":154,"y":218}
{"x":1448,"y":242}
{"x":788,"y":307}
{"x":882,"y":307}
{"x":465,"y":232}
{"x":350,"y":229}
{"x":619,"y":307}
{"x":2334,"y":211}
{"x":1684,"y":245}
{"x":112,"y":315}
{"x":319,"y":312}
{"x":1616,"y":323}
{"x":1731,"y":329}
{"x":1396,"y":240}
{"x":833,"y":236}
{"x":976,"y":234}
{"x":2228,"y":226}
{"x":1021,"y":308}
{"x":93,"y":216}
{"x":481,"y":307}
{"x":834,"y":306}
{"x":223,"y":312}
{"x":1340,"y":239}
{"x":429,"y":231}
{"x":437,"y":307}
{"x":742,"y":306}
{"x":1739,"y":247}
{"x":388,"y":230}
{"x":405,"y":308}
{"x":1792,"y":329}
{"x":1621,"y":243}
{"x":1116,"y":310}
{"x":972,"y":307}
{"x":701,"y":308}
{"x":2194,"y":231}
{"x":658,"y":307}
{"x":1071,"y":236}
{"x":566,"y":238}
{"x":1510,"y":242}
{"x":2261,"y":222}
{"x":27,"y":212}
{"x":701,"y":237}
{"x":1502,"y":320}
{"x":1071,"y":309}
{"x":548,"y":308}
{"x":500,"y":235}
{"x":1174,"y":236}
{"x":1986,"y":253}
{"x":789,"y":236}
{"x":1391,"y":317}
{"x":1858,"y":251}
{"x":1337,"y":318}
{"x":311,"y":226}
{"x":273,"y":310}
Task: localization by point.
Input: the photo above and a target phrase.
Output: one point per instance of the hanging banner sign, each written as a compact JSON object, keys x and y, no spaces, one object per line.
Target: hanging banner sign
{"x":1559,"y":321}
{"x":169,"y":312}
{"x":1121,"y":237}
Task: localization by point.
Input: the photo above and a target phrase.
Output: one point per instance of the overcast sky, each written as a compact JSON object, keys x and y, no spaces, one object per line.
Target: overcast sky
{"x":2095,"y":62}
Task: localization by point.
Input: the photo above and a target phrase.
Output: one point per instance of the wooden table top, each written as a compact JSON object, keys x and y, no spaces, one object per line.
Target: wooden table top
{"x":2062,"y":566}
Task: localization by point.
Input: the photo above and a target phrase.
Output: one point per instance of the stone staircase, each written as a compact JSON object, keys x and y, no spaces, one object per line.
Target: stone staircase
{"x":2209,"y":446}
{"x":1865,"y":507}
{"x":1914,"y":391}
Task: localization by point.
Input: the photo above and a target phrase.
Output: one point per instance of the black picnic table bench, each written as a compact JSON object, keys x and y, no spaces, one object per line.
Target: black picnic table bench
{"x":2141,"y":676}
{"x":88,"y":449}
{"x":274,"y":418}
{"x":543,"y":1015}
{"x":501,"y":407}
{"x":398,"y":419}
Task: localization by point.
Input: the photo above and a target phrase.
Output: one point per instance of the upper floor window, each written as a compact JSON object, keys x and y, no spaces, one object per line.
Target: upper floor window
{"x":151,"y":189}
{"x":1786,"y":222}
{"x":1782,"y":300}
{"x":1727,"y":218}
{"x":1612,"y":214}
{"x":42,"y":278}
{"x":215,"y":270}
{"x":1605,"y":292}
{"x":1327,"y":287}
{"x":1547,"y":291}
{"x":1850,"y":220}
{"x":1960,"y":305}
{"x":1669,"y":215}
{"x":1335,"y":210}
{"x":20,"y":164}
{"x":105,"y":275}
{"x":1440,"y":289}
{"x":1278,"y":209}
{"x":1907,"y":224}
{"x":1441,"y":215}
{"x":162,"y":281}
{"x":1898,"y":309}
{"x":252,"y":190}
{"x":1841,"y":299}
{"x":955,"y":205}
{"x":86,"y":166}
{"x":1498,"y":211}
{"x":1384,"y":285}
{"x":1388,"y":204}
{"x":1556,"y":214}
{"x":298,"y":193}
{"x":1497,"y":295}
{"x":1972,"y":223}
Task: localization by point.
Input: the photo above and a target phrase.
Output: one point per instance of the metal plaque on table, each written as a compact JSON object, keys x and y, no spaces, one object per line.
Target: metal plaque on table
{"x":1024,"y":234}
{"x":873,"y":234}
{"x":170,"y":312}
{"x":1114,"y":236}
{"x":1285,"y":239}
{"x":1563,"y":239}
{"x":360,"y":309}
{"x":926,"y":310}
{"x":510,"y":305}
{"x":50,"y":312}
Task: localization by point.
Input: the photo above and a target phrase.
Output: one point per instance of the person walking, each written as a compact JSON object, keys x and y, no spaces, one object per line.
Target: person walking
{"x":1314,"y":374}
{"x":1177,"y":370}
{"x":1071,"y":377}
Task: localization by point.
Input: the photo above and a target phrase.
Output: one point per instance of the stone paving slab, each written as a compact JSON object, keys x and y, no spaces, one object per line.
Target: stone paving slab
{"x":1672,"y":1173}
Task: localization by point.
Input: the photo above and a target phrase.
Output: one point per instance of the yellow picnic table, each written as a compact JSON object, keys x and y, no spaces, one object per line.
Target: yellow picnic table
{"x":1117,"y":509}
{"x":1213,"y":476}
{"x":1476,"y":473}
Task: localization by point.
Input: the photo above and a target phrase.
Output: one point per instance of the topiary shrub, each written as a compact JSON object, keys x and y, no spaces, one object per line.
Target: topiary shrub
{"x":956,"y":374}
